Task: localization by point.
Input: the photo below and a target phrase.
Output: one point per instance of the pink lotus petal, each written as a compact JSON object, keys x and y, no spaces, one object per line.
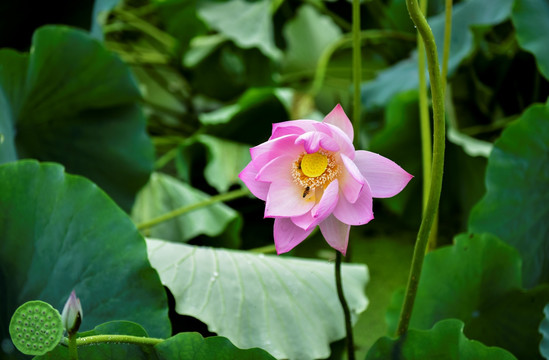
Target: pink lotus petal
{"x":285,"y":130}
{"x":258,"y":188}
{"x":385,"y":177}
{"x":285,"y":199}
{"x":321,"y":210}
{"x":287,"y":235}
{"x":277,"y":168}
{"x":338,"y":118}
{"x":296,"y":127}
{"x":345,"y":144}
{"x":359,"y":213}
{"x":352,"y":180}
{"x":336,"y":233}
{"x":312,"y":141}
{"x":284,"y":145}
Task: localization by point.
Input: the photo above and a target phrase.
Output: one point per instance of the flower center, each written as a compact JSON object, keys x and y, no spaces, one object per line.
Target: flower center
{"x":312,"y":171}
{"x":314,"y":165}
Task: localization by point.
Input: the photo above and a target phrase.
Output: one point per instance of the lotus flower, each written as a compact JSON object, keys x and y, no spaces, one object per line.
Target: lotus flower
{"x":72,"y":314}
{"x":310,"y":174}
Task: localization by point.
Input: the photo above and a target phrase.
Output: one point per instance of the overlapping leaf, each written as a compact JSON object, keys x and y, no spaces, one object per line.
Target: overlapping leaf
{"x":517,"y":183}
{"x":286,"y":306}
{"x":478,"y":280}
{"x":248,"y":24}
{"x":60,"y":232}
{"x":73,"y":102}
{"x":444,"y":341}
{"x":404,"y":75}
{"x":530,"y":20}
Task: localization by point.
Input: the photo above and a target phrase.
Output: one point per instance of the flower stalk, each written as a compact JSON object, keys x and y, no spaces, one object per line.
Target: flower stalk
{"x":347,"y":314}
{"x":437,"y":166}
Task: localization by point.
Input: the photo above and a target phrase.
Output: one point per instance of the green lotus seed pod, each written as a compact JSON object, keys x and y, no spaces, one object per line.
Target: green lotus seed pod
{"x":36,"y":328}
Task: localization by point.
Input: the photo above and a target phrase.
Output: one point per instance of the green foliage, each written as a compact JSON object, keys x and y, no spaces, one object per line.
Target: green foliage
{"x":206,"y":79}
{"x":71,"y":101}
{"x":517,"y":183}
{"x":308,"y":35}
{"x":530,"y":20}
{"x":248,"y":24}
{"x":286,"y":306}
{"x":445,"y":341}
{"x":60,"y":232}
{"x":164,"y":193}
{"x":106,"y":351}
{"x":192,"y":346}
{"x":478,"y":280}
{"x":183,"y":346}
{"x":404,"y":75}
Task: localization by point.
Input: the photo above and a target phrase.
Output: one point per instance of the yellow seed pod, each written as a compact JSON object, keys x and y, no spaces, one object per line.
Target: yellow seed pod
{"x":314,"y":165}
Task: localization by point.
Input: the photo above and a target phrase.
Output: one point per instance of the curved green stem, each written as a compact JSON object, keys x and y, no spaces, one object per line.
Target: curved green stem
{"x":424,"y":119}
{"x":346,"y":312}
{"x":357,"y":71}
{"x":437,"y":167}
{"x":116,"y":339}
{"x":188,"y":208}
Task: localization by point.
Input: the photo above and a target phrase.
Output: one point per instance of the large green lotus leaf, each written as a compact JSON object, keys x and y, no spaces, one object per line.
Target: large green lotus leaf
{"x":287,"y":306}
{"x":192,"y":346}
{"x":544,"y":330}
{"x":404,"y":75}
{"x":105,"y":351}
{"x":164,"y":193}
{"x":478,"y":280}
{"x":76,"y":104}
{"x":13,"y":66}
{"x":445,"y":341}
{"x":308,"y":35}
{"x":515,"y":206}
{"x":248,"y":24}
{"x":61,"y":232}
{"x":530,"y":20}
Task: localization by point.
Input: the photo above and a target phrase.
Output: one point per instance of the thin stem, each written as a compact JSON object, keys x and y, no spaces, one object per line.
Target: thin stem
{"x":162,"y":37}
{"x":73,"y":350}
{"x":447,"y":41}
{"x":188,"y":208}
{"x":346,"y":312}
{"x":424,"y":119}
{"x":347,"y":40}
{"x":267,"y":249}
{"x":437,"y":168}
{"x":357,"y":71}
{"x":116,"y":339}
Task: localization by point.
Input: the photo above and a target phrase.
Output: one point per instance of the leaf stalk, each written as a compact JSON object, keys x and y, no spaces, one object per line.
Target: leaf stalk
{"x":437,"y":166}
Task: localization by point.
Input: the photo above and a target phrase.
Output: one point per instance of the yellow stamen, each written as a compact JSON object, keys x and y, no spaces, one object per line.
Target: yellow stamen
{"x":314,"y":165}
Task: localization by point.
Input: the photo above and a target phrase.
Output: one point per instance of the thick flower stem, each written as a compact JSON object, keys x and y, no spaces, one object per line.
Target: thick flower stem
{"x":437,"y":167}
{"x":346,"y":312}
{"x":73,"y":351}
